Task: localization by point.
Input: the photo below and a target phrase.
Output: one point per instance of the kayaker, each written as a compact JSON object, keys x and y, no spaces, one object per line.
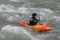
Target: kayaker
{"x":34,"y":20}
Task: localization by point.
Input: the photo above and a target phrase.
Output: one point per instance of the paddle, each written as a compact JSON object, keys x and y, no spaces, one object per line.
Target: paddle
{"x":39,"y":20}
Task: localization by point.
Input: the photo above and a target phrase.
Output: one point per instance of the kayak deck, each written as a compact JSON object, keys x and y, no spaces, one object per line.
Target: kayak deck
{"x":38,"y":27}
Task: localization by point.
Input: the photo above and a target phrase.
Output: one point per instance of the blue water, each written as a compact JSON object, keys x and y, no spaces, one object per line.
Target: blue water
{"x":48,"y":11}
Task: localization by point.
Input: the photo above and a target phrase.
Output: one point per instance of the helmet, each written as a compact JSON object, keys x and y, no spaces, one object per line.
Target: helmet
{"x":34,"y":14}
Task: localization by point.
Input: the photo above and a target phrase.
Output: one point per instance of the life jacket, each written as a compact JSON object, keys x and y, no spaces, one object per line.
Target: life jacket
{"x":33,"y":21}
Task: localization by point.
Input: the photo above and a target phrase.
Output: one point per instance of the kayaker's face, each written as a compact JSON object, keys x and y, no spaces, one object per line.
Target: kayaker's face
{"x":35,"y":16}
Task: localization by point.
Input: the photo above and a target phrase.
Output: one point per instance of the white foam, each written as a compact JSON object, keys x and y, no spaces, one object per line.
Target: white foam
{"x":10,"y":19}
{"x":10,"y":28}
{"x":22,"y":10}
{"x":46,"y":11}
{"x":7,"y":8}
{"x":15,"y":29}
{"x":15,"y":0}
{"x":14,"y":18}
{"x":2,"y":36}
{"x":57,"y":18}
{"x":26,"y":32}
{"x":11,"y":9}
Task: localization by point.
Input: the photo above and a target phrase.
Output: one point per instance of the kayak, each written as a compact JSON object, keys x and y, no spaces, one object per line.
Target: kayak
{"x":38,"y":27}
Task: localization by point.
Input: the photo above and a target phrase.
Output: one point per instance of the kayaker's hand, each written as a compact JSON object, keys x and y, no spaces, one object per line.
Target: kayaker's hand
{"x":37,"y":23}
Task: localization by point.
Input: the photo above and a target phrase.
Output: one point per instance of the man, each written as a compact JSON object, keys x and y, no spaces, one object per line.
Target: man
{"x":33,"y":20}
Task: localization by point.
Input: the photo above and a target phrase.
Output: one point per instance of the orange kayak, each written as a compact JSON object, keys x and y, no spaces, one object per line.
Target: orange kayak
{"x":38,"y":27}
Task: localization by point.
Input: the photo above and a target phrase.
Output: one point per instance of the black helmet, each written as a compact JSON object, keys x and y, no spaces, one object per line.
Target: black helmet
{"x":34,"y":14}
